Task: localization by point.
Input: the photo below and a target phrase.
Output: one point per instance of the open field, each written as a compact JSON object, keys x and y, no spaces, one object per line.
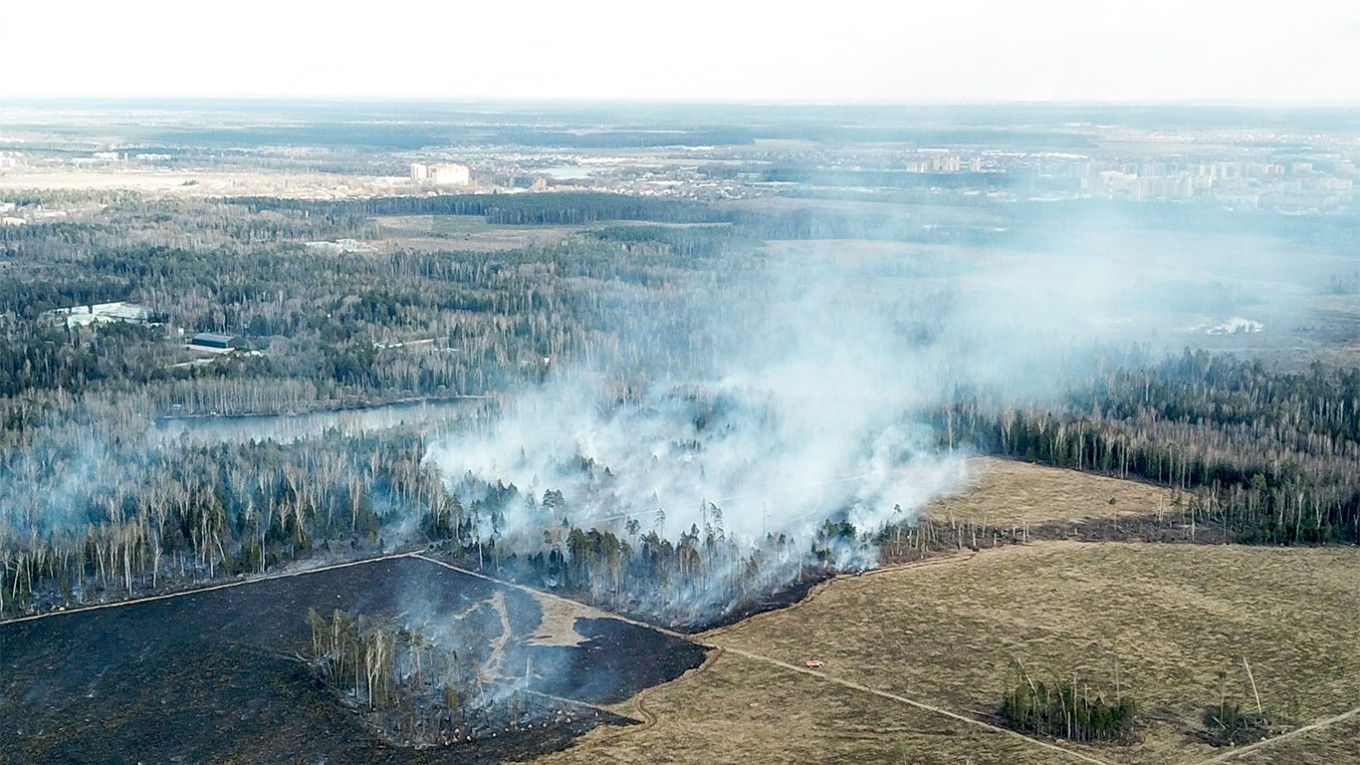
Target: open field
{"x":465,"y":232}
{"x":744,"y":710}
{"x":946,"y":633}
{"x":1167,"y":619}
{"x":1005,"y":493}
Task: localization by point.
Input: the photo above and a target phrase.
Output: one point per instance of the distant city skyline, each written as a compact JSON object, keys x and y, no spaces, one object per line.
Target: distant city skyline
{"x":1247,"y":52}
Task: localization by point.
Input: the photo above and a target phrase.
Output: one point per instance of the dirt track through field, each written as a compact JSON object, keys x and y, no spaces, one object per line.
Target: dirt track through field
{"x":649,"y":718}
{"x":917,"y":704}
{"x":1240,"y":751}
{"x":585,"y":610}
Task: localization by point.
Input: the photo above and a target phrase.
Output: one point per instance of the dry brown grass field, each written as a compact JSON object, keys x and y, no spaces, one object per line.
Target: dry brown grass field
{"x":1169,"y":624}
{"x":1005,"y":493}
{"x":749,"y":711}
{"x":1338,"y":743}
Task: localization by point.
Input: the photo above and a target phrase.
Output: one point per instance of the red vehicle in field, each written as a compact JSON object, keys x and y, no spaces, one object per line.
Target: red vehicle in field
{"x":814,"y":664}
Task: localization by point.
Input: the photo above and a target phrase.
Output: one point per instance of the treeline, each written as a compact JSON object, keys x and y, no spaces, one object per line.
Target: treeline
{"x":81,"y":522}
{"x":513,"y":209}
{"x":42,"y":356}
{"x":1274,"y":455}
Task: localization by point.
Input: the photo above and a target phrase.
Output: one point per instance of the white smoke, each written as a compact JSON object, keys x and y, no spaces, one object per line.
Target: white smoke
{"x":812,"y":416}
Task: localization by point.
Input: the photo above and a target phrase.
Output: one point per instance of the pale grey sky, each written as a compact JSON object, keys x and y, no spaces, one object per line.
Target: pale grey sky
{"x":1299,"y":51}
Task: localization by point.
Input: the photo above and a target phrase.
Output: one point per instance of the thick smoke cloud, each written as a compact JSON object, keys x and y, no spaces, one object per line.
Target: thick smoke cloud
{"x":829,"y":357}
{"x":809,"y":416}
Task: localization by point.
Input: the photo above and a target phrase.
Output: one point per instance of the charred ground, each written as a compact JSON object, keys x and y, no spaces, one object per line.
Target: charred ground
{"x":217,"y":676}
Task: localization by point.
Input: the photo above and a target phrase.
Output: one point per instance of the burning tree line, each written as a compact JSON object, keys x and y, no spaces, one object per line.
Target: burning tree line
{"x":629,"y":563}
{"x":90,"y":524}
{"x":1270,"y":455}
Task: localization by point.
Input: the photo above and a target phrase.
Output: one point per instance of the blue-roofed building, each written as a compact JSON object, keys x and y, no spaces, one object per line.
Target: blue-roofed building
{"x":211,"y":341}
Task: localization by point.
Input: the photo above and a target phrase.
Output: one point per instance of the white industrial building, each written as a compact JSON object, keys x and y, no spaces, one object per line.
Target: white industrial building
{"x":441,"y":174}
{"x":103,"y":313}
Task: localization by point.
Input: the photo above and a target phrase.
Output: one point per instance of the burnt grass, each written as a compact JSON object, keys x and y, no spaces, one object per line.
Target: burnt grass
{"x":218,"y":676}
{"x":783,"y":597}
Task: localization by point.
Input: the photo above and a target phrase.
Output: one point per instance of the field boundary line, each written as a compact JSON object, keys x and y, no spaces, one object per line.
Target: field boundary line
{"x":209,"y":588}
{"x":1251,"y":748}
{"x":649,"y":718}
{"x":918,"y":704}
{"x":818,"y":589}
{"x":597,"y":613}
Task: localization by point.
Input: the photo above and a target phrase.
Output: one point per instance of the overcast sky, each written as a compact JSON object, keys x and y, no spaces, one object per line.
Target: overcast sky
{"x":1295,"y":51}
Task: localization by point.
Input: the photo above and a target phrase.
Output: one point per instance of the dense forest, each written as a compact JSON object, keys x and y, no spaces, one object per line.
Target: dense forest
{"x":1273,"y":455}
{"x":97,"y":502}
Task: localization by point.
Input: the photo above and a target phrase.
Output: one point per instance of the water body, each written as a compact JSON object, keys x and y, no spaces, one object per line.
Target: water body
{"x":565,"y":172}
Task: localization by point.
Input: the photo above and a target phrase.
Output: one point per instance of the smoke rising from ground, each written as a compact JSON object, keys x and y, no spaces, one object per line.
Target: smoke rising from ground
{"x":809,"y":416}
{"x":826,"y":361}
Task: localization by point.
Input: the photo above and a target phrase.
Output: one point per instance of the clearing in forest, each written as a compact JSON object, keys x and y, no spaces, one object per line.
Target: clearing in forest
{"x":1006,"y":493}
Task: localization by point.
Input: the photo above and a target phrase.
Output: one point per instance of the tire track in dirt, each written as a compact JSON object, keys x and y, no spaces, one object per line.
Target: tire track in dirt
{"x":589,"y":611}
{"x":919,"y":705}
{"x":1250,"y":749}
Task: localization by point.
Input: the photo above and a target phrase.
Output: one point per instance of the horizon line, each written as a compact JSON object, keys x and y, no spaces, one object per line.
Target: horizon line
{"x":341,"y":99}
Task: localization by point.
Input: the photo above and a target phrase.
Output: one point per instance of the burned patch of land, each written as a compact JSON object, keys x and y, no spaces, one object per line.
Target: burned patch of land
{"x":1008,"y":502}
{"x":219,"y":676}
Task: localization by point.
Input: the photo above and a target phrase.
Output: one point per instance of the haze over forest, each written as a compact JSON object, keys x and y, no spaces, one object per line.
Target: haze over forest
{"x":462,"y":427}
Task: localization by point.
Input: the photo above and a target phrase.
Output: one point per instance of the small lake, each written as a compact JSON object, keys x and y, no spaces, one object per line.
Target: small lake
{"x":563,"y":172}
